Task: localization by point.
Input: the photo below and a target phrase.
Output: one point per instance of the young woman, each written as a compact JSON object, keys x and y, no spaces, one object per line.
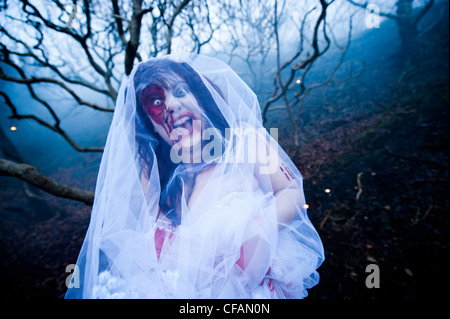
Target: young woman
{"x":194,"y":198}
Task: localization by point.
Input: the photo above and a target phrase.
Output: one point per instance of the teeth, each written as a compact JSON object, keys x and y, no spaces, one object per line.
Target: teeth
{"x":181,"y":121}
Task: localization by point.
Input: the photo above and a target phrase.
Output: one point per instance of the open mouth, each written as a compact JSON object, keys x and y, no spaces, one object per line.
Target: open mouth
{"x":184,"y":121}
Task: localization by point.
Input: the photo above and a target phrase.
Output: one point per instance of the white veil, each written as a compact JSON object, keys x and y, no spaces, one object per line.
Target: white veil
{"x":226,"y":220}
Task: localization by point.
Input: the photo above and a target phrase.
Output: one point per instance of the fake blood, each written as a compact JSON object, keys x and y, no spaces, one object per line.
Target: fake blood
{"x":156,"y":112}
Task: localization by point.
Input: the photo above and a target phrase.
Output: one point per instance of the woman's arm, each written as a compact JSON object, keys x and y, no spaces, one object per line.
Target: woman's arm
{"x":287,"y":193}
{"x":273,"y":171}
{"x":287,"y":203}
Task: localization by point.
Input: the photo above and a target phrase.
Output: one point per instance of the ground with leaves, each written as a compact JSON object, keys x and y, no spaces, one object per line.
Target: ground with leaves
{"x":379,"y":143}
{"x":387,"y":169}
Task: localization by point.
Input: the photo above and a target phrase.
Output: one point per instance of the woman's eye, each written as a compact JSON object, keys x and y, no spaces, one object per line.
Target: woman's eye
{"x":157,"y":102}
{"x":181,"y":92}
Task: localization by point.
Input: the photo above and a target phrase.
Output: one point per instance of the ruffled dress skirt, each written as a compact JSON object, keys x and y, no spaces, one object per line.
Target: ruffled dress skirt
{"x":233,"y":249}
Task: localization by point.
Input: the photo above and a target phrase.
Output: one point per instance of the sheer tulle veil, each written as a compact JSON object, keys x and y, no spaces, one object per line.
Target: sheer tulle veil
{"x":194,"y":197}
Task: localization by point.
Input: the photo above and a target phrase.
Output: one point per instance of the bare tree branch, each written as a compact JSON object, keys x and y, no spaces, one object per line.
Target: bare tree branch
{"x":424,"y":11}
{"x":279,"y":79}
{"x":80,"y":45}
{"x":300,"y":96}
{"x":118,"y":19}
{"x":34,"y":80}
{"x":99,"y":41}
{"x":44,"y":62}
{"x":177,"y":11}
{"x":281,"y":87}
{"x":421,"y":14}
{"x":33,"y":176}
{"x":364,"y":6}
{"x":82,"y":40}
{"x":407,"y":21}
{"x":135,"y":33}
{"x":55,"y":128}
{"x":192,"y":22}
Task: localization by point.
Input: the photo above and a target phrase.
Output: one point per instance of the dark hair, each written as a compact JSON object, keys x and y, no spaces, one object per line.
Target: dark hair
{"x":161,"y":72}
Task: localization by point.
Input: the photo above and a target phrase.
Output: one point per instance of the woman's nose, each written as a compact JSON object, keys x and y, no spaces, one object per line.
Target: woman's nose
{"x":172,"y":103}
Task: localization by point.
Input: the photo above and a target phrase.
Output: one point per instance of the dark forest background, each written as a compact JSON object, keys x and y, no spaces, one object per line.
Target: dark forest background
{"x":363,"y":113}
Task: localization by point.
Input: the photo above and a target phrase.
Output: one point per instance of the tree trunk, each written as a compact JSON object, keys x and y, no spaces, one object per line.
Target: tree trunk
{"x":407,"y":25}
{"x":135,"y":33}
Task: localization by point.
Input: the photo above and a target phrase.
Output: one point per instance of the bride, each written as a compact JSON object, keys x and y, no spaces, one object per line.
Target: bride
{"x":194,"y":199}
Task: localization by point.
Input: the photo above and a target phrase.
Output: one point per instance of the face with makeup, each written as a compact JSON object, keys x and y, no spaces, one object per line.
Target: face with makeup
{"x":175,"y":113}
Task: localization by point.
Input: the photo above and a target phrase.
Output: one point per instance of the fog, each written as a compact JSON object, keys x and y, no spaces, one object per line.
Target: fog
{"x":48,"y":151}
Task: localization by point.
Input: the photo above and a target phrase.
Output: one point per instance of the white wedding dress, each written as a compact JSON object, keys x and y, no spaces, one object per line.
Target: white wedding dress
{"x":227,"y":241}
{"x":280,"y":268}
